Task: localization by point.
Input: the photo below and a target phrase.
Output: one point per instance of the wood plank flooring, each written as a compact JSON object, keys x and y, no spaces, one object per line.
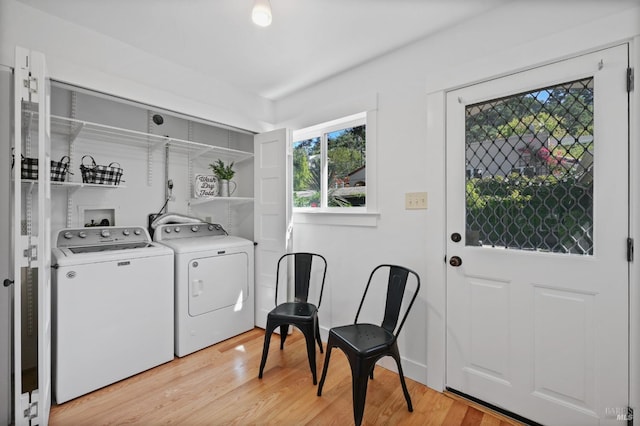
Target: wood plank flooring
{"x":220,"y":386}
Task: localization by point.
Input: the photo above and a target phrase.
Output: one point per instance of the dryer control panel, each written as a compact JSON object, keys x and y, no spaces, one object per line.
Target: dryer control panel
{"x":175,"y":231}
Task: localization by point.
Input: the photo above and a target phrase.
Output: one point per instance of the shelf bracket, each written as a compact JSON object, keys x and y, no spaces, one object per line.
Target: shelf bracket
{"x":202,"y":152}
{"x":149,"y":164}
{"x":190,"y":180}
{"x":75,"y":131}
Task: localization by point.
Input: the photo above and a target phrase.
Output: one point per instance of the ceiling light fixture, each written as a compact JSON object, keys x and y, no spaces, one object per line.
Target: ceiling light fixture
{"x":261,"y":13}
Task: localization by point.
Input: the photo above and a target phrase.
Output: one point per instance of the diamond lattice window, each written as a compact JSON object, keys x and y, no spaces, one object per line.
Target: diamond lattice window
{"x":529,"y":174}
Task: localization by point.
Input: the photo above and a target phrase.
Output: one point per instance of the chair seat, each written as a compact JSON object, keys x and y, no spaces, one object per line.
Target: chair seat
{"x":298,"y":310}
{"x":365,"y":339}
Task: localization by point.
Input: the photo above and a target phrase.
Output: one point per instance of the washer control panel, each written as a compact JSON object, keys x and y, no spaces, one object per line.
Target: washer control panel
{"x":174,"y":231}
{"x":97,"y":235}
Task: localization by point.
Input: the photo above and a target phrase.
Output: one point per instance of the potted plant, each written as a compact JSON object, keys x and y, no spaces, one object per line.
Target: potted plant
{"x":224,"y":173}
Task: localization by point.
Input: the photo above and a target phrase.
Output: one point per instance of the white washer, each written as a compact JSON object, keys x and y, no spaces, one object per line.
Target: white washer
{"x":112,"y":307}
{"x":213,"y":284}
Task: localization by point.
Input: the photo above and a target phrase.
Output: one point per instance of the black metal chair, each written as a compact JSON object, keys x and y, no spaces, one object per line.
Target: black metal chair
{"x":299,"y":312}
{"x":364,"y":344}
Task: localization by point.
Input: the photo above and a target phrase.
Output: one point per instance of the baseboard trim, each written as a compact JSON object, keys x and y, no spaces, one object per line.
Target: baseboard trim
{"x":495,"y":410}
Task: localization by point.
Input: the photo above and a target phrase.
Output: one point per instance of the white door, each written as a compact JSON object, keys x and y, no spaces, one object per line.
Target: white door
{"x":31,"y":240}
{"x":537,"y":271}
{"x":272,"y":215}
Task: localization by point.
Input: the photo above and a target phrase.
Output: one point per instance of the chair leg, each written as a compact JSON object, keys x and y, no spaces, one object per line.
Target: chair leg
{"x":311,"y":351}
{"x":359,"y":379}
{"x":284,"y":331}
{"x":318,"y":335}
{"x":265,"y":349}
{"x":404,"y":384}
{"x":324,"y":369}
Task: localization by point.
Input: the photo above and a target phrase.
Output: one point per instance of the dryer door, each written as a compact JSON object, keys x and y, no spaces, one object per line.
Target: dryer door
{"x":218,"y":282}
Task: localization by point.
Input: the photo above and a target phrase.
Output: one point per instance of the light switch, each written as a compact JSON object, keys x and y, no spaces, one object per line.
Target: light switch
{"x":415,"y":200}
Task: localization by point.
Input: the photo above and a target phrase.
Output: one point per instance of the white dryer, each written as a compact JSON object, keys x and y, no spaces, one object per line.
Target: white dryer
{"x":213,"y":284}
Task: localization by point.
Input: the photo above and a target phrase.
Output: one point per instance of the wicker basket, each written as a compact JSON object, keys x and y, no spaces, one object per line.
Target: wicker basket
{"x":29,"y":169}
{"x":101,"y":175}
{"x":59,"y":169}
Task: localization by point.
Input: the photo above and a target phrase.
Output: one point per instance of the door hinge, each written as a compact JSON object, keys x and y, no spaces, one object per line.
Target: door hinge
{"x":29,"y":251}
{"x":629,"y":249}
{"x":31,"y":84}
{"x":629,"y":80}
{"x":31,"y":412}
{"x":629,"y":416}
{"x":30,"y":409}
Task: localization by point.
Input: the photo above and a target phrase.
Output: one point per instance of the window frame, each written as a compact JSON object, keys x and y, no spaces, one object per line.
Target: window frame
{"x":358,"y":216}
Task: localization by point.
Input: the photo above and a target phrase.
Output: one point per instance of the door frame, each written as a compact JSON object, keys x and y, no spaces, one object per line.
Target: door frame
{"x":634,"y":228}
{"x":436,"y":227}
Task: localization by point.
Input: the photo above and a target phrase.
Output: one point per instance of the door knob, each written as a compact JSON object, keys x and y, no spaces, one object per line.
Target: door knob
{"x":7,"y":282}
{"x":455,"y":261}
{"x":455,"y":237}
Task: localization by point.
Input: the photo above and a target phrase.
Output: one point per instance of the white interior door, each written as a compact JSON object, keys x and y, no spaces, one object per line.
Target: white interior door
{"x":6,"y":268}
{"x":537,"y":273}
{"x":272,"y":215}
{"x":31,"y":241}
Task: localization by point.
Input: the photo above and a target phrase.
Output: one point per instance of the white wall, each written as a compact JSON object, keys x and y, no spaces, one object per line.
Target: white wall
{"x":77,"y":55}
{"x":409,"y":84}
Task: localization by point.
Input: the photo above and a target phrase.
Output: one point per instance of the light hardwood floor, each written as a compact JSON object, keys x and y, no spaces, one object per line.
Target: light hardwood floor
{"x":220,"y":386}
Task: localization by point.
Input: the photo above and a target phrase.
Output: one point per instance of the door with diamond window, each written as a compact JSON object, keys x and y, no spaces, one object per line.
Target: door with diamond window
{"x":537,"y":271}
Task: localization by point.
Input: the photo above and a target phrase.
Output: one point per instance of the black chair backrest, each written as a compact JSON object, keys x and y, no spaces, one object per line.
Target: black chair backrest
{"x":303,"y":264}
{"x":396,"y":287}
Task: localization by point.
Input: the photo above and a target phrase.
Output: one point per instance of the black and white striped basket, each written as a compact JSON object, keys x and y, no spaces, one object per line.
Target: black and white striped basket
{"x":59,"y":169}
{"x":101,"y":175}
{"x":29,"y":169}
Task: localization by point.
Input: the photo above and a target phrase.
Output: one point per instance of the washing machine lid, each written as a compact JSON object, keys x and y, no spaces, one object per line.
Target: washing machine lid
{"x":104,"y":244}
{"x":109,"y":247}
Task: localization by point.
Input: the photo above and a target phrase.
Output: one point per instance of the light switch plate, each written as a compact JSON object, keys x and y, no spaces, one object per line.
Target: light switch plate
{"x":415,"y":200}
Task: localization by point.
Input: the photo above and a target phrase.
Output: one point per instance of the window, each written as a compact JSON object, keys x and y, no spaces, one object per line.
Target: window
{"x":330,"y":166}
{"x":529,"y":176}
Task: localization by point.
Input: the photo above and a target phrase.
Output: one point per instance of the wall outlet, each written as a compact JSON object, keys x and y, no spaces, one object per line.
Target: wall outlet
{"x":415,"y":200}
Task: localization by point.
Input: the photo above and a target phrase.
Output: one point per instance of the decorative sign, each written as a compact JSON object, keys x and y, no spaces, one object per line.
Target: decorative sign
{"x":206,"y":186}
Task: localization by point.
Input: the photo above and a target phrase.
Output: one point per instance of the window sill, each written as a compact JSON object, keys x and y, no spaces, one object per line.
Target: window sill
{"x":359,"y":218}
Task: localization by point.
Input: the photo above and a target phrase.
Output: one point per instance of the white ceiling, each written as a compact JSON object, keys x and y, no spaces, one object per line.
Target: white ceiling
{"x":308,"y":41}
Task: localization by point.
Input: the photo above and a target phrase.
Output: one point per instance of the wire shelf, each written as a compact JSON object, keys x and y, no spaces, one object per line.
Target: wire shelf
{"x":94,"y":132}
